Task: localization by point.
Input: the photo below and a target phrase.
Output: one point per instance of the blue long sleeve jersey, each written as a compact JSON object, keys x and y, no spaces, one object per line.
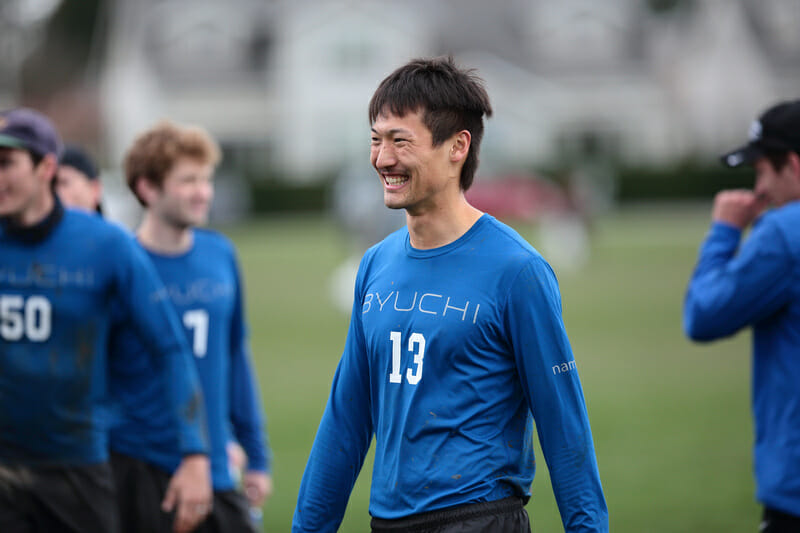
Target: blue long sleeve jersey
{"x":204,"y":287}
{"x":758,"y":285}
{"x":56,"y":298}
{"x":451,"y":354}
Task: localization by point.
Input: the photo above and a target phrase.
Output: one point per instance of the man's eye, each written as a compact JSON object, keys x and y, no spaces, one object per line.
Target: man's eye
{"x":399,"y":140}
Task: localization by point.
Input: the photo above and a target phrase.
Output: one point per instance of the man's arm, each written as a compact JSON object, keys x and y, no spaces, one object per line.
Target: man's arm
{"x":550,"y":382}
{"x":246,"y":415}
{"x":730,"y":290}
{"x":342,"y":440}
{"x":144,"y":300}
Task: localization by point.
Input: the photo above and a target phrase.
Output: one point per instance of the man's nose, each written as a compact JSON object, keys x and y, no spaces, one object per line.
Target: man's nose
{"x":385,"y":157}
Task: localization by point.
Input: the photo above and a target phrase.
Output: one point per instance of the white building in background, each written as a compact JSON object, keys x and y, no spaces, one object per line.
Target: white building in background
{"x":286,"y":82}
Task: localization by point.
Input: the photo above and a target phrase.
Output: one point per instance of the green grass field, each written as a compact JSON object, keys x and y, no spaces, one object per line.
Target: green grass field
{"x":671,"y":419}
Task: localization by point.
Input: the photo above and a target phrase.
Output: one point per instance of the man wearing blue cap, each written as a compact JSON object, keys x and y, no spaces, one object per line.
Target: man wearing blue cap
{"x":61,"y":274}
{"x":756,"y":283}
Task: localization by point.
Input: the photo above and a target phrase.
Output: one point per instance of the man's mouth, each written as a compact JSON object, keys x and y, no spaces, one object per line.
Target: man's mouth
{"x":394,"y":179}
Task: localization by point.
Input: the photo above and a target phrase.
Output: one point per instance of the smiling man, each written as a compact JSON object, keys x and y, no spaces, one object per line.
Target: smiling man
{"x":455,"y":330}
{"x":756,"y":283}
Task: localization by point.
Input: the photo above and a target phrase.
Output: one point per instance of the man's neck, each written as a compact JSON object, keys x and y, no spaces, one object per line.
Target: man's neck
{"x":158,"y":235}
{"x":37,"y":224}
{"x":36,"y":212}
{"x":436,"y":228}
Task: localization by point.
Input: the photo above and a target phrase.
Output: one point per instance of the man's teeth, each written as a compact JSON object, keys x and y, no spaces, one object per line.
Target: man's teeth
{"x":392,"y":180}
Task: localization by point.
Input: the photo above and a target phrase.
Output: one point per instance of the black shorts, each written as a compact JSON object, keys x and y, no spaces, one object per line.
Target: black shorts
{"x":507,"y":516}
{"x":141,"y":487}
{"x":231,"y":514}
{"x":140,"y":490}
{"x":74,"y":499}
{"x":774,"y":521}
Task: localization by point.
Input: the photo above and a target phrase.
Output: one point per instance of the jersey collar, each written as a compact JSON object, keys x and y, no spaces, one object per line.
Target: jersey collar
{"x":38,"y":232}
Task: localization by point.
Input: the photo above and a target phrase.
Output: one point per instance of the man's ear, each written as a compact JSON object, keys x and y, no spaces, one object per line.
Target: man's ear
{"x":97,"y":189}
{"x":145,"y":190}
{"x":460,"y":146}
{"x":47,"y":168}
{"x":793,"y":162}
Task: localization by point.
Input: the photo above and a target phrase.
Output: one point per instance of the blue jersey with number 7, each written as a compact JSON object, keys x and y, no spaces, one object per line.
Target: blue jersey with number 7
{"x":203,"y":285}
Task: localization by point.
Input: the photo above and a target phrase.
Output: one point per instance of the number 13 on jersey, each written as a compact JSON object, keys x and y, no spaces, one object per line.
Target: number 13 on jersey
{"x":416,"y":345}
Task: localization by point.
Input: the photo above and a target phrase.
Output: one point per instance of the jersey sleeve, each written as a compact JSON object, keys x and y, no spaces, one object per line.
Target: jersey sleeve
{"x":729,"y":290}
{"x":247,"y":419}
{"x":144,"y":301}
{"x":342,"y":440}
{"x":552,"y":388}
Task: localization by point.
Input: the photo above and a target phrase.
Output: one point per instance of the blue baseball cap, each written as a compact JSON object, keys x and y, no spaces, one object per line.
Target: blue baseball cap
{"x":30,"y":130}
{"x":75,"y":157}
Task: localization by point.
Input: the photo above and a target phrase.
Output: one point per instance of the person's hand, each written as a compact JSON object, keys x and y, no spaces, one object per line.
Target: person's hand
{"x":189,"y":493}
{"x":738,"y":207}
{"x":257,"y":487}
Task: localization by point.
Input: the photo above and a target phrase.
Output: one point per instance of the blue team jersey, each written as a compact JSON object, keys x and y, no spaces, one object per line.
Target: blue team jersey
{"x":204,"y":287}
{"x":451,"y":355}
{"x":758,"y":285}
{"x":56,"y":297}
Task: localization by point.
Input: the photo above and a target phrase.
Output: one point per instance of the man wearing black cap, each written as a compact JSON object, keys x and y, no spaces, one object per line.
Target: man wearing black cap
{"x":61,"y":274}
{"x":77,"y":180}
{"x":757,"y":283}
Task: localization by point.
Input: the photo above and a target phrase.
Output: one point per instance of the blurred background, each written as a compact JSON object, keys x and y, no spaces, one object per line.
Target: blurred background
{"x":609,"y":118}
{"x":632,"y":97}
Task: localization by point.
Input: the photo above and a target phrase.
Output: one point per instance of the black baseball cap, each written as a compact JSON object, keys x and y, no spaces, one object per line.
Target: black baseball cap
{"x":776,"y":130}
{"x":78,"y":159}
{"x":30,"y":130}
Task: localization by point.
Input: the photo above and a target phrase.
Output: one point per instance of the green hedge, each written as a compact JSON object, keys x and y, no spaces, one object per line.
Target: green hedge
{"x":684,"y":181}
{"x":272,"y":196}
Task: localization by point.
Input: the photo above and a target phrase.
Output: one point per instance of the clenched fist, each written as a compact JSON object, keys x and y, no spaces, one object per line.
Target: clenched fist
{"x":738,"y":207}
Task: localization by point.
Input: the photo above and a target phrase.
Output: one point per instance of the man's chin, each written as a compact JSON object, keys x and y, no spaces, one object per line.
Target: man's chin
{"x":7,"y":212}
{"x":196,"y":220}
{"x":186,"y":223}
{"x":393,"y":203}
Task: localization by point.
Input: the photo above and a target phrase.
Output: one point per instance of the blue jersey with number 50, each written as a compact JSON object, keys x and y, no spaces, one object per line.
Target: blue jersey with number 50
{"x":56,"y":297}
{"x":452,"y":353}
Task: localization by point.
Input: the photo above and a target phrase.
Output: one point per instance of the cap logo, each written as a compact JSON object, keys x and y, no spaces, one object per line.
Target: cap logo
{"x":755,"y":131}
{"x":734,"y":160}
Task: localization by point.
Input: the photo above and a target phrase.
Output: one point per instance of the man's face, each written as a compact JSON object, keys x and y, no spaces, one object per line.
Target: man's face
{"x":777,"y":187}
{"x":75,"y":189}
{"x":416,"y":175}
{"x":185,"y":197}
{"x":22,"y":186}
